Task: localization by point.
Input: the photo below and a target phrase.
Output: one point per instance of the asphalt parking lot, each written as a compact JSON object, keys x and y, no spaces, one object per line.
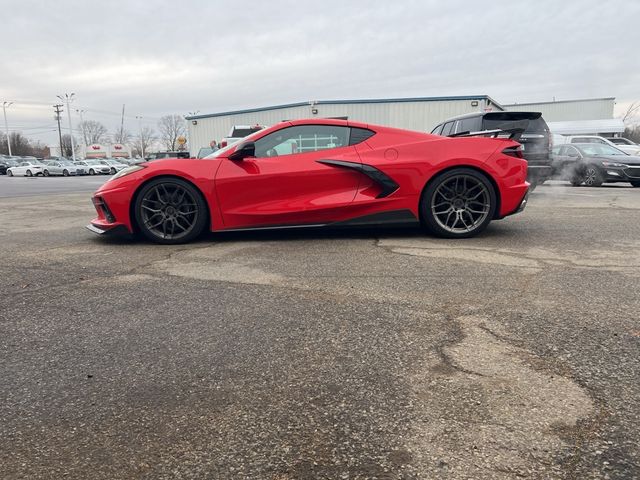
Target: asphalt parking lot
{"x":353,"y":354}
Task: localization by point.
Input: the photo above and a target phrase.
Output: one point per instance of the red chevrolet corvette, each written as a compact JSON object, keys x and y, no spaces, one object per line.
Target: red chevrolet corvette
{"x":312,"y":173}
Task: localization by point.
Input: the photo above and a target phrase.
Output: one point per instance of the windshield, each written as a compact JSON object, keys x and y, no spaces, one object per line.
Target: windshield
{"x":598,"y":149}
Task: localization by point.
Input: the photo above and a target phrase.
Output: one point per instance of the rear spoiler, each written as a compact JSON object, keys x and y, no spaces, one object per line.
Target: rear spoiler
{"x":513,"y":129}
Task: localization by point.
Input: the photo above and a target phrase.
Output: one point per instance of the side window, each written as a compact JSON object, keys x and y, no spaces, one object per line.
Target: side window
{"x":437,"y":130}
{"x":302,"y":139}
{"x":469,"y":125}
{"x":359,"y":135}
{"x":446,"y":130}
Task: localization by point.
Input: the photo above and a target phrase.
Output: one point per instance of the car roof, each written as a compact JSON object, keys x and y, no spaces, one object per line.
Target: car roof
{"x":488,"y":114}
{"x":328,"y":121}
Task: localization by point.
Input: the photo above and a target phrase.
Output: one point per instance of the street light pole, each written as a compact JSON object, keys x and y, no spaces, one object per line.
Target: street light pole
{"x":68,"y":97}
{"x":6,"y":125}
{"x":84,"y":133}
{"x":139,"y":117}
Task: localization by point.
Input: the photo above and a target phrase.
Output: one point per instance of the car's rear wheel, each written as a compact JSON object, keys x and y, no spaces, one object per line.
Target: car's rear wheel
{"x":112,"y":171}
{"x":592,"y":176}
{"x":459,"y":203}
{"x":45,"y":173}
{"x":65,"y":172}
{"x":170,"y":211}
{"x":29,"y":174}
{"x":92,"y":171}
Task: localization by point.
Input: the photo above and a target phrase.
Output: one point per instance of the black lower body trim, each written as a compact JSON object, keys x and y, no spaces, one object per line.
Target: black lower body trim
{"x":394,"y":217}
{"x":119,"y":230}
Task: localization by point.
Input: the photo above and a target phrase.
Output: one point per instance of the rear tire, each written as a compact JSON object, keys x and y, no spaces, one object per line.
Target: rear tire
{"x":45,"y":173}
{"x":65,"y":172}
{"x":459,"y":203}
{"x":29,"y":174}
{"x":170,"y":211}
{"x":92,"y":171}
{"x":112,"y":171}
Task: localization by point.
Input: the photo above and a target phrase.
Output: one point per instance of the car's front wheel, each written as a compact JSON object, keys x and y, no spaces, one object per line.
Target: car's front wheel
{"x":45,"y":173}
{"x":112,"y":171}
{"x":592,"y":176}
{"x":170,"y":211}
{"x":29,"y":174}
{"x":459,"y":203}
{"x":92,"y":171}
{"x":65,"y":172}
{"x":10,"y":173}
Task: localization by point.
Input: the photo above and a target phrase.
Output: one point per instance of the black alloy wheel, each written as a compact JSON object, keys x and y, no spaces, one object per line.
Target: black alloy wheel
{"x":170,"y":211}
{"x":592,"y":176}
{"x":459,"y":203}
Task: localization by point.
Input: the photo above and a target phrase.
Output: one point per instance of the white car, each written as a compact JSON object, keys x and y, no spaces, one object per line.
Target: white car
{"x":114,"y":165}
{"x":626,"y":145}
{"x":628,"y":149}
{"x":27,"y":169}
{"x":93,"y":167}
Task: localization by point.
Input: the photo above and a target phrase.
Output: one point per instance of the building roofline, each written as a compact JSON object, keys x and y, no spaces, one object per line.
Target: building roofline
{"x":559,"y":101}
{"x":354,"y":101}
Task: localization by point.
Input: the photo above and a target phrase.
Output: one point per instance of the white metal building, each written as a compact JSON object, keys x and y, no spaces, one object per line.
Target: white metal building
{"x":586,"y":116}
{"x":420,"y":114}
{"x":591,"y":116}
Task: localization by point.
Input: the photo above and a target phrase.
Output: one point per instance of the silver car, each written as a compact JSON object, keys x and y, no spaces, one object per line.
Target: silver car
{"x":62,"y":167}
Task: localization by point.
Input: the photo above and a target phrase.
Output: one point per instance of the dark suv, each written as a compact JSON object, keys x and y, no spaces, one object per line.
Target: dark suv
{"x":535,"y":140}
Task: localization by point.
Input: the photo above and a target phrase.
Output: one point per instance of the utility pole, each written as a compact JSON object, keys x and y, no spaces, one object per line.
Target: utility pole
{"x":84,"y":132}
{"x":139,"y":117}
{"x":121,"y":139}
{"x":58,"y":111}
{"x":6,"y":125}
{"x":68,"y":97}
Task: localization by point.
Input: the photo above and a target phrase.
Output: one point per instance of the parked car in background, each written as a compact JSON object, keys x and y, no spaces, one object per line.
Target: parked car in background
{"x":113,"y":164}
{"x":205,"y":152}
{"x":94,"y":167}
{"x":5,"y":163}
{"x":626,"y":145}
{"x":27,"y":169}
{"x":594,"y":164}
{"x":238,"y":132}
{"x":535,"y":140}
{"x":161,"y":155}
{"x":629,"y":149}
{"x":62,"y":167}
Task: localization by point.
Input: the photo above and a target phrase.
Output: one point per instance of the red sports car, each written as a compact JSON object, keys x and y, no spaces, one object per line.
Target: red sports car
{"x":312,"y":173}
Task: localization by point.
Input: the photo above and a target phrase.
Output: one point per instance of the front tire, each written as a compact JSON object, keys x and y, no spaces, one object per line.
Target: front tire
{"x":10,"y":173}
{"x":459,"y":203}
{"x":65,"y":173}
{"x":112,"y":171}
{"x":92,"y":171}
{"x":29,"y":174}
{"x":170,"y":211}
{"x":45,"y":173}
{"x":592,"y":176}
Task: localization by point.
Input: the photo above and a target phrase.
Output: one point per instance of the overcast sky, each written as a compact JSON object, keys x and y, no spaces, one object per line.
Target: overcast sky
{"x":161,"y":57}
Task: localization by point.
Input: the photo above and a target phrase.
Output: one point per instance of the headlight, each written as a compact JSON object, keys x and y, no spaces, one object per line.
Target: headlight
{"x":614,"y":164}
{"x":127,"y":171}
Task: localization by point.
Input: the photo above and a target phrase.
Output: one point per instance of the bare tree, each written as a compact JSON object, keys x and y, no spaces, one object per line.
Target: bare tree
{"x":171,"y":127}
{"x":66,"y":145}
{"x":122,"y":135}
{"x":629,"y":115}
{"x":144,"y":140}
{"x":92,"y":131}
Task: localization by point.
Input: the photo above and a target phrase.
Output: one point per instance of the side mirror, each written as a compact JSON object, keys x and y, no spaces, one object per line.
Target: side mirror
{"x":247,"y":149}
